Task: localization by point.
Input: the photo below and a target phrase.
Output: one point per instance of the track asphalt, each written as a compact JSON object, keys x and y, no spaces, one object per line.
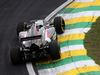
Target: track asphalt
{"x":12,"y":12}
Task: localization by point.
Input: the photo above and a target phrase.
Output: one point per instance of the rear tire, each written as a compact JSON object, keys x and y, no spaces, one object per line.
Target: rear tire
{"x":14,"y":54}
{"x":54,"y":50}
{"x":20,"y":27}
{"x":59,"y":25}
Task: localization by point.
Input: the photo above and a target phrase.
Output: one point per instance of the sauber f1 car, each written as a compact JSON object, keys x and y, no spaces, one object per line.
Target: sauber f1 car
{"x":37,"y":40}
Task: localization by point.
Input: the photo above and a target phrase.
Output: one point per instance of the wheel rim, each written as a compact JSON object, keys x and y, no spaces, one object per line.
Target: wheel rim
{"x":62,"y":25}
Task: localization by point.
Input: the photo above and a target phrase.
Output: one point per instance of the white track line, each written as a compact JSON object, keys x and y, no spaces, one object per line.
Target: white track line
{"x":57,"y":10}
{"x":30,"y":68}
{"x":29,"y":65}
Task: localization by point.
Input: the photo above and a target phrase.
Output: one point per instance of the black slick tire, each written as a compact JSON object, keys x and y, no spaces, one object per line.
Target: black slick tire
{"x":14,"y":54}
{"x":54,"y":50}
{"x":59,"y":25}
{"x":20,"y":27}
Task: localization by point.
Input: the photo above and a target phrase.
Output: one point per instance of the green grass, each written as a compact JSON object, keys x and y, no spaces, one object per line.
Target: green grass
{"x":92,"y":41}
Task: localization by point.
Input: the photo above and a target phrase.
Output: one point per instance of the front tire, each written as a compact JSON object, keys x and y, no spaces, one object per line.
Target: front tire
{"x":20,"y":27}
{"x":59,"y":25}
{"x":14,"y":54}
{"x":54,"y":50}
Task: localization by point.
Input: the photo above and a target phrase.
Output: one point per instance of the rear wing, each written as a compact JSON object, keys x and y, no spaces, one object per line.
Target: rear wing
{"x":31,"y":38}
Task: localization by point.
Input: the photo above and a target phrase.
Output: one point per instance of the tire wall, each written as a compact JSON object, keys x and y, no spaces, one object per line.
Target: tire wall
{"x":78,"y":17}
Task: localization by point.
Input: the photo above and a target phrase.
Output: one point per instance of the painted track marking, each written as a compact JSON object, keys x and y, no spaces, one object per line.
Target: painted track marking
{"x":30,"y":68}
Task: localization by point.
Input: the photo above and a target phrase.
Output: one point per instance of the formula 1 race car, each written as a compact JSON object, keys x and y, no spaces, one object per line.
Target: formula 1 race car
{"x":37,"y":40}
